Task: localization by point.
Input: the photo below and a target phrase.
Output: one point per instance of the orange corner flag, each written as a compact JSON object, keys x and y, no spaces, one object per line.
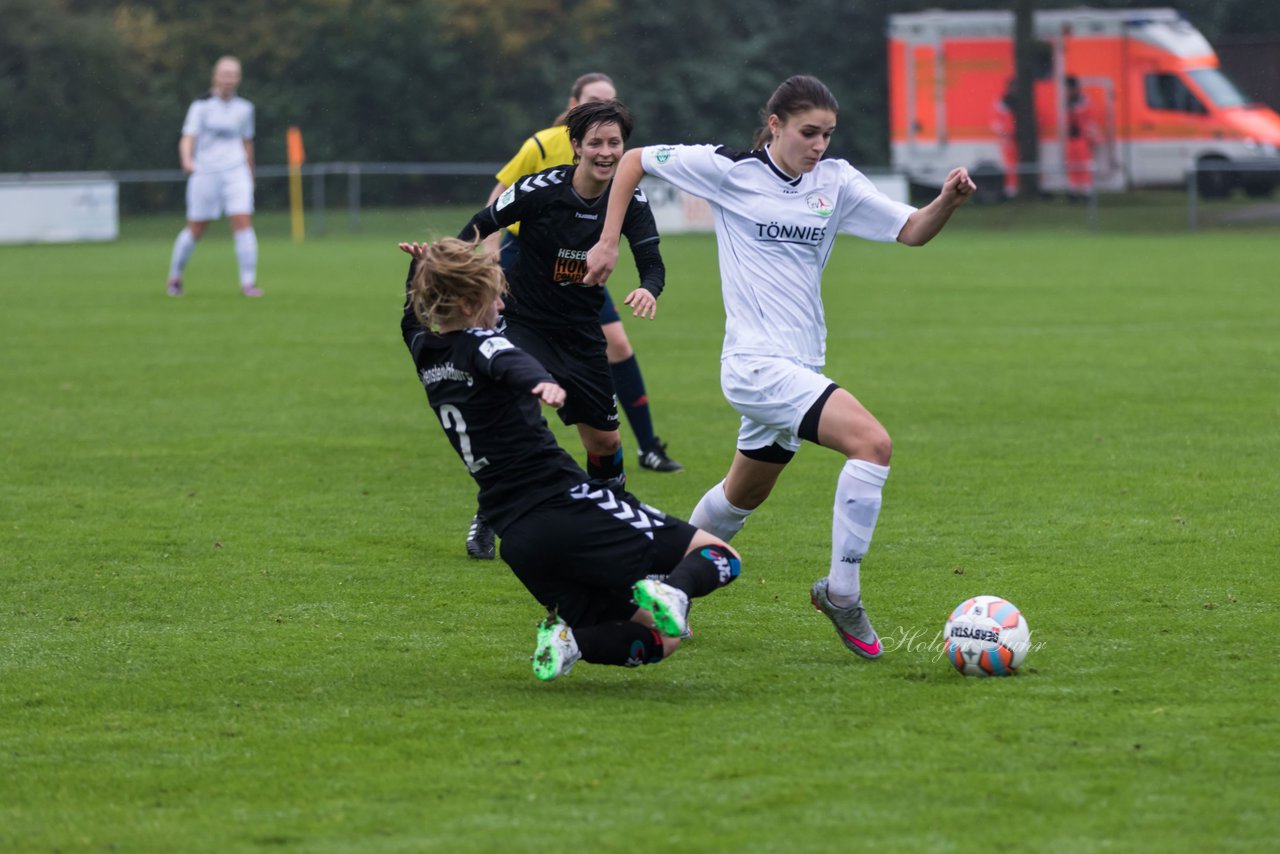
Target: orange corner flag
{"x":293,"y":143}
{"x":297,"y":156}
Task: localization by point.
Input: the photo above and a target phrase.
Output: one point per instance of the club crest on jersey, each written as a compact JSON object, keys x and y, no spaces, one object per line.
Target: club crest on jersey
{"x":495,"y":345}
{"x":820,"y":204}
{"x":663,"y":154}
{"x":507,"y":197}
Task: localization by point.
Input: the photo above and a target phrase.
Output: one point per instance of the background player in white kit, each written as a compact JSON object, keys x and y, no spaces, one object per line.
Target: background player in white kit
{"x":217,"y":152}
{"x":777,"y":210}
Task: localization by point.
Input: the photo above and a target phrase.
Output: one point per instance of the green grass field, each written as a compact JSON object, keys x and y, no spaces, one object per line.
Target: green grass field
{"x":236,"y":614}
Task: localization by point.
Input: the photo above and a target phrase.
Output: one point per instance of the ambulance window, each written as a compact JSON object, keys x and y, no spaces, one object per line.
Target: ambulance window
{"x":1218,"y":87}
{"x":1168,"y":92}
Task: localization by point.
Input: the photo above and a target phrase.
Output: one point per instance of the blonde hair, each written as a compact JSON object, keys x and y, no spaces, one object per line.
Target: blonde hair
{"x":453,"y":279}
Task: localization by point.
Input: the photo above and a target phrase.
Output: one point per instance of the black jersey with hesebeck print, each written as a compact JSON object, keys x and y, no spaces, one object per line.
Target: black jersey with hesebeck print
{"x":479,"y":385}
{"x":557,"y":227}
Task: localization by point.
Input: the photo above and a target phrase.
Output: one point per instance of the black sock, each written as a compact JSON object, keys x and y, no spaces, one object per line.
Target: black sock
{"x":623,"y":644}
{"x":629,"y":385}
{"x":606,"y":471}
{"x":703,"y":570}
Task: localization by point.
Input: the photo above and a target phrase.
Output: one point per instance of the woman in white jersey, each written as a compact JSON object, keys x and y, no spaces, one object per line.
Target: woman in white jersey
{"x":217,"y":152}
{"x":777,"y":210}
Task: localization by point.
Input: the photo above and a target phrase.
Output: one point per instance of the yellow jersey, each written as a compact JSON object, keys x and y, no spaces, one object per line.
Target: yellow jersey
{"x":546,"y":148}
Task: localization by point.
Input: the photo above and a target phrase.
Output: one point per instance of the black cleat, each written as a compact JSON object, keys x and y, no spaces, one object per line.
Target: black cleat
{"x":480,"y":540}
{"x":656,"y":459}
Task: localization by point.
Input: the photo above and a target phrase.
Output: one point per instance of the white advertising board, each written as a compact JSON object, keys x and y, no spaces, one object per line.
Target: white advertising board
{"x":59,"y":211}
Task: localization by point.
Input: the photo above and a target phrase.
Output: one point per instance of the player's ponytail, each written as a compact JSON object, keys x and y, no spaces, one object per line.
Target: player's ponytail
{"x":452,"y":279}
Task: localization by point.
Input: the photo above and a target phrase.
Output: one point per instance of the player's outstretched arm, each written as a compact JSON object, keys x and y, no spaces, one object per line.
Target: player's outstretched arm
{"x":492,"y":243}
{"x":924,"y":225}
{"x":643,"y":302}
{"x":653,"y":277}
{"x":417,"y":250}
{"x":603,"y":257}
{"x":550,"y":394}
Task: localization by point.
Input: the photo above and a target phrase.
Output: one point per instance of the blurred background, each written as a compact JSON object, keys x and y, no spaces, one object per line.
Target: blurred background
{"x":102,"y":85}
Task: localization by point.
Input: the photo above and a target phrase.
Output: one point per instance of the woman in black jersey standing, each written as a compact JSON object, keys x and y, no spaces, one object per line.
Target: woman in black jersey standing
{"x":551,"y":313}
{"x":546,"y":148}
{"x":586,"y":553}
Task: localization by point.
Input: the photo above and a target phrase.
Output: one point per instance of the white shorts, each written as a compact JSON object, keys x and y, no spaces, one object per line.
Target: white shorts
{"x":210,"y":195}
{"x":772,"y":394}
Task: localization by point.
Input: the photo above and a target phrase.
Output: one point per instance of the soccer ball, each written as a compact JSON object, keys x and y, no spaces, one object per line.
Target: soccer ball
{"x":986,"y":636}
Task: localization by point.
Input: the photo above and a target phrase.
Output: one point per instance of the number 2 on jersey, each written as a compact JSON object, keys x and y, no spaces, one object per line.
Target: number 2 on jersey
{"x":452,"y":419}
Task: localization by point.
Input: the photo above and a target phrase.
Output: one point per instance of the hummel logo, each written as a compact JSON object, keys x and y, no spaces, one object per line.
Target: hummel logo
{"x":534,"y":182}
{"x":616,"y":508}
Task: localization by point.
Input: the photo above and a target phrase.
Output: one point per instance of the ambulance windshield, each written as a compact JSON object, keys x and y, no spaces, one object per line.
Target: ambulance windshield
{"x":1218,"y":88}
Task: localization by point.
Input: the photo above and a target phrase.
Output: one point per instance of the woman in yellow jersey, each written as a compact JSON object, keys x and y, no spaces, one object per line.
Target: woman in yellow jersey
{"x":546,"y":148}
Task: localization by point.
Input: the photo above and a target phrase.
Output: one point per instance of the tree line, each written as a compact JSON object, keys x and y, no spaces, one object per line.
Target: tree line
{"x":104,"y":84}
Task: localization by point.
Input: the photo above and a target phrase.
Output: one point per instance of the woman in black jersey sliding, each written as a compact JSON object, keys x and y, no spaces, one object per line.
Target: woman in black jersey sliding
{"x":587,"y":553}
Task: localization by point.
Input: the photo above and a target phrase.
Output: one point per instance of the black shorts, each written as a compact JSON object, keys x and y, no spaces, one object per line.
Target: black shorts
{"x":576,"y":358}
{"x":580,"y":552}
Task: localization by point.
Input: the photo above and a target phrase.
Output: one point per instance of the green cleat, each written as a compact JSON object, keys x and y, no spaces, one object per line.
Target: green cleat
{"x":556,"y":651}
{"x":669,"y":605}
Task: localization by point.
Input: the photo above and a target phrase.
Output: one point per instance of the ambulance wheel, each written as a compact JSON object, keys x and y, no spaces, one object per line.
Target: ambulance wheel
{"x":1213,"y":179}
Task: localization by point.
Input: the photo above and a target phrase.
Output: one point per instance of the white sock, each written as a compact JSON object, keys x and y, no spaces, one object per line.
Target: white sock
{"x":183,"y":248}
{"x":247,"y":255}
{"x":853,"y":521}
{"x":716,"y":515}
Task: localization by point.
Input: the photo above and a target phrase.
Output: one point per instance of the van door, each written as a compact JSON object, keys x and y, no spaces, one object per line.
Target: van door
{"x":926,"y":113}
{"x":1170,"y":126}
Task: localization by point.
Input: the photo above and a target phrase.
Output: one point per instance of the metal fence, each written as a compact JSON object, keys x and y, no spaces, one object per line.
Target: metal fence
{"x":1209,"y":197}
{"x":316,"y":175}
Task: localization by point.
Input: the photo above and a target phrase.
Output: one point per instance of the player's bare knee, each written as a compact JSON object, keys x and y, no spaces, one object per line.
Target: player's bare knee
{"x":607,"y":445}
{"x":874,"y":446}
{"x":618,"y":350}
{"x":881,"y":448}
{"x":669,"y":646}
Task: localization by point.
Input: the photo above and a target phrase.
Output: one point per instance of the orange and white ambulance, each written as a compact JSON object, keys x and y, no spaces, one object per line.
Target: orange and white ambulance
{"x":1137,"y":93}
